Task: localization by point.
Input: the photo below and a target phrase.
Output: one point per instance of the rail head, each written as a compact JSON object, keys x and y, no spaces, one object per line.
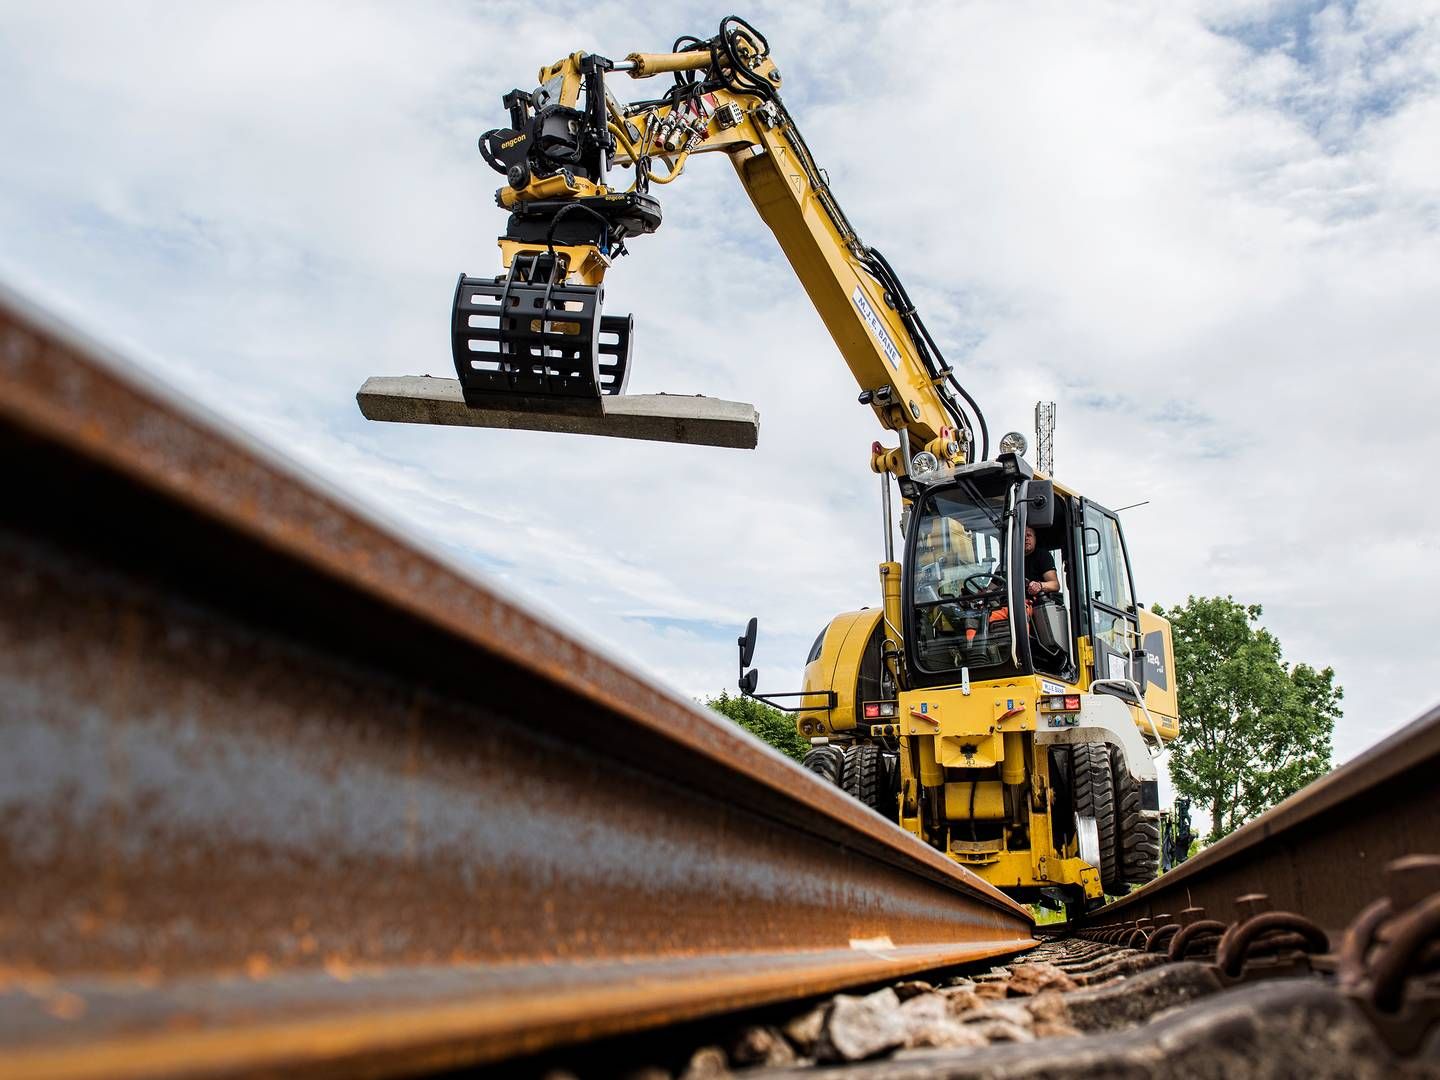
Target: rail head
{"x":63,"y":386}
{"x":1324,"y":849}
{"x":327,"y":773}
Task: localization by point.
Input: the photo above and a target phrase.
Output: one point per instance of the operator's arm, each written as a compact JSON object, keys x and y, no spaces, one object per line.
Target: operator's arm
{"x":1048,"y":582}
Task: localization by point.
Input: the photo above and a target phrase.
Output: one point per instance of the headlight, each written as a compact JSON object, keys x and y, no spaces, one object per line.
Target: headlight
{"x":923,"y":464}
{"x":1013,"y":443}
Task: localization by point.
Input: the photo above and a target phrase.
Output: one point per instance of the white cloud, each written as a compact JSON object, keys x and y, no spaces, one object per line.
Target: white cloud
{"x":1208,"y":231}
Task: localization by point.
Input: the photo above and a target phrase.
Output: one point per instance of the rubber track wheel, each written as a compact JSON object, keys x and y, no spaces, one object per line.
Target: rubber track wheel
{"x":1138,"y":847}
{"x":864,"y":774}
{"x":826,"y":761}
{"x":1095,"y":797}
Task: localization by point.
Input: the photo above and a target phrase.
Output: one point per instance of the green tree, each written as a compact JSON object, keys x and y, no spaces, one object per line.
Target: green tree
{"x":1253,"y":729}
{"x":765,"y":723}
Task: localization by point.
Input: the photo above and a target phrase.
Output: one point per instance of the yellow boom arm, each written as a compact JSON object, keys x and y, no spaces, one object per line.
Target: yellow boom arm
{"x":729,"y":103}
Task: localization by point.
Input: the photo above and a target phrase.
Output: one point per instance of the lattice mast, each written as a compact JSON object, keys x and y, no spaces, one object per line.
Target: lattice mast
{"x":1045,"y":437}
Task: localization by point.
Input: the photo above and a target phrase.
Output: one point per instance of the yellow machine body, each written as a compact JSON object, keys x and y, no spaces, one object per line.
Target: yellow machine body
{"x":982,"y":768}
{"x":973,"y":779}
{"x":971,"y":753}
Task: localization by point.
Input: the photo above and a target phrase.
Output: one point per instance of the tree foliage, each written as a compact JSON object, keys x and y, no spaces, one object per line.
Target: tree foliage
{"x":1253,"y":729}
{"x":765,"y":723}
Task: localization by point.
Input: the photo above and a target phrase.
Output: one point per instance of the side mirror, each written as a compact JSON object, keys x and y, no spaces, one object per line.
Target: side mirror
{"x":1040,"y":500}
{"x":746,"y":641}
{"x":1092,"y":541}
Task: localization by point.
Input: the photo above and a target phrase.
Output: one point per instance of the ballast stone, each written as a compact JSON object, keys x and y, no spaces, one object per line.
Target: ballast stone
{"x":758,"y":1045}
{"x":861,"y":1027}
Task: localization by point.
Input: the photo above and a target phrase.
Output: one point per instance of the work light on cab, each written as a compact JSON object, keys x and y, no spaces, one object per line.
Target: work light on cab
{"x":1013,"y":443}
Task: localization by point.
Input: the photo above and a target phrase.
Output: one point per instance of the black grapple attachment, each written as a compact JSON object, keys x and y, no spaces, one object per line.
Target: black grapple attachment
{"x":536,"y":334}
{"x":532,"y":346}
{"x":527,"y":334}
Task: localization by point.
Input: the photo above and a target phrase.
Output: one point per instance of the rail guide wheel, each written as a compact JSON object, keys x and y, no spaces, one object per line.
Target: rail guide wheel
{"x":1095,"y":799}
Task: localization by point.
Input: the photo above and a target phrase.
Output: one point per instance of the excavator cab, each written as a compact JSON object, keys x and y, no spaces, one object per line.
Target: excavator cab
{"x":969,"y":612}
{"x":1032,"y":718}
{"x":1023,"y":722}
{"x":960,"y":611}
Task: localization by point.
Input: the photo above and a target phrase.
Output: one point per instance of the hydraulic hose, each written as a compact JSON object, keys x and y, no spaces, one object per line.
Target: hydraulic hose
{"x":925,"y":344}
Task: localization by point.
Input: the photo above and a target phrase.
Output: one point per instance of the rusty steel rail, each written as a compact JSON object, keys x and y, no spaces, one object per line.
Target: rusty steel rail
{"x":1323,"y":851}
{"x":282,"y":792}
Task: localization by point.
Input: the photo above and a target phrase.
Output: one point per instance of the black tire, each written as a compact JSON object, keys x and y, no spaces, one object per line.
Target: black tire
{"x":865,"y":775}
{"x":1095,"y":797}
{"x":1137,"y":848}
{"x":827,"y":761}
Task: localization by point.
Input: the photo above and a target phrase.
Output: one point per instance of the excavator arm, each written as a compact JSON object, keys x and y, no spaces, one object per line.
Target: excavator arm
{"x":580,"y":170}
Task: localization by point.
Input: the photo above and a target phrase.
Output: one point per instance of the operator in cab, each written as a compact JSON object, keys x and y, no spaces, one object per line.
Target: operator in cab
{"x":1040,"y":576}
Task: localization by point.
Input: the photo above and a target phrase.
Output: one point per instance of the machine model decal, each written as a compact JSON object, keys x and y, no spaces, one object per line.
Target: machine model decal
{"x":1155,"y":672}
{"x":1049,"y":687}
{"x":868,"y":314}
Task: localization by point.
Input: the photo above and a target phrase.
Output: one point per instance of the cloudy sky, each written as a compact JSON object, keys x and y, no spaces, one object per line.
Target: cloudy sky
{"x":1208,"y":230}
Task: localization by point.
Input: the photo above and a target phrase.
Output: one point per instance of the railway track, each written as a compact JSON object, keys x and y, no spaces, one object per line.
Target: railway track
{"x":1332,"y":972}
{"x":283,"y":792}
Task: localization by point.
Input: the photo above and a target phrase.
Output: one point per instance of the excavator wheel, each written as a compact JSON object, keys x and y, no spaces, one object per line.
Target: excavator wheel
{"x":1138,"y":837}
{"x":826,"y":761}
{"x":866,"y":777}
{"x":1095,"y":797}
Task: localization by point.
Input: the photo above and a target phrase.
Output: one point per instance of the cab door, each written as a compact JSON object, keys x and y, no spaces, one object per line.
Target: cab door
{"x":1114,"y":624}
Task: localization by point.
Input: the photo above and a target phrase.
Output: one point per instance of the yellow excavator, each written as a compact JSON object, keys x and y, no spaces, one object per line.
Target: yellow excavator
{"x":1006,"y":699}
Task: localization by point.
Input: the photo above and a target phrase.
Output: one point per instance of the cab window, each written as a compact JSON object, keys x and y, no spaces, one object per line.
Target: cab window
{"x":817,"y":648}
{"x":1112,"y":616}
{"x":959,"y":601}
{"x":1051,"y":641}
{"x":1108,"y":574}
